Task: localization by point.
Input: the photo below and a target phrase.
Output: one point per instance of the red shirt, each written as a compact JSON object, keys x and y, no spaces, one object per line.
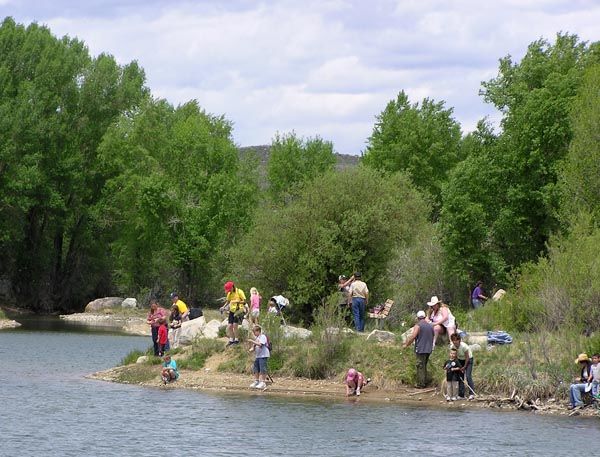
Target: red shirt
{"x":163,"y":334}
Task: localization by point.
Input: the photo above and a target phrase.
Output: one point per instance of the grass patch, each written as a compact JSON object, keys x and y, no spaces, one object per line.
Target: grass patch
{"x":137,"y":373}
{"x":202,"y":349}
{"x":2,"y":314}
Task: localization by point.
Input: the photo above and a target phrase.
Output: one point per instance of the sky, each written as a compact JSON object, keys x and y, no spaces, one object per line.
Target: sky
{"x":325,"y":67}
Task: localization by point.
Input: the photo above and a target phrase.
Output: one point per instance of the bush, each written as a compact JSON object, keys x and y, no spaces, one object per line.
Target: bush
{"x":202,"y":349}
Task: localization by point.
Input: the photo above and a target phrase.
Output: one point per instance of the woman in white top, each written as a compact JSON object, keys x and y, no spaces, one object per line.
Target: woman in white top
{"x":439,"y":315}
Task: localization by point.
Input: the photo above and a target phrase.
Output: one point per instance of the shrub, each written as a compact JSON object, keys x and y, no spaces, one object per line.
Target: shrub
{"x":202,"y":349}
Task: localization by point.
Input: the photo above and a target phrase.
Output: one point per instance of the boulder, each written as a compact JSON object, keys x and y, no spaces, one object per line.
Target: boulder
{"x":102,"y":303}
{"x":136,"y":326}
{"x":211,"y":329}
{"x":7,"y":323}
{"x":296,"y":332}
{"x":499,"y":295}
{"x":381,"y":336}
{"x":191,"y":329}
{"x":142,"y":359}
{"x":129,"y":303}
{"x":475,"y":347}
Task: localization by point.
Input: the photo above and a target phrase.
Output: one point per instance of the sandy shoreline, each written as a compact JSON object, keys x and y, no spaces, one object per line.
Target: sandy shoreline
{"x":209,"y":379}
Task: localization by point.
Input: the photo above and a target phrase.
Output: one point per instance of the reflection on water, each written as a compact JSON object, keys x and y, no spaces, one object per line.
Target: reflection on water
{"x":50,"y":409}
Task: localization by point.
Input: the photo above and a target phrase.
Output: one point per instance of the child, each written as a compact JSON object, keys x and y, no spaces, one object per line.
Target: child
{"x":273,"y":307}
{"x":261,"y":351}
{"x":163,"y":337}
{"x":254,"y":305}
{"x":169,"y":371}
{"x":354,"y":382}
{"x":175,"y":325}
{"x":453,"y":368}
{"x":465,"y":358}
{"x":594,"y":376}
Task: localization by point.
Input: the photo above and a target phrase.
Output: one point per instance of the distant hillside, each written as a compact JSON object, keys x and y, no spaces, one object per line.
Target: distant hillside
{"x":262,"y":152}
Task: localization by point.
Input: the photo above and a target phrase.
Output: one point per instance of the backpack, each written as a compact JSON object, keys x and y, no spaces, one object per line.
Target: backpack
{"x":269,"y":344}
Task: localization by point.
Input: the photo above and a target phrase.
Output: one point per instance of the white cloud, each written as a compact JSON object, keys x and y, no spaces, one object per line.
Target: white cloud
{"x":325,"y":67}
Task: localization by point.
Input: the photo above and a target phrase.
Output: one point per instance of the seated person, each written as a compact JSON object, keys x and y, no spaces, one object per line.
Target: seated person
{"x":441,"y":318}
{"x":578,"y":387}
{"x":354,"y":382}
{"x":169,"y":370}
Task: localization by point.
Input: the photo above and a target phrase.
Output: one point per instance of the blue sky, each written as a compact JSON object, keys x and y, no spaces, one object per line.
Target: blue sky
{"x":323,"y":67}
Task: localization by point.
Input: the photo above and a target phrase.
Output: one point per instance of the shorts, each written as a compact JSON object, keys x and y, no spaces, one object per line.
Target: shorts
{"x":260,"y":365}
{"x":255,"y":313}
{"x":233,"y":319}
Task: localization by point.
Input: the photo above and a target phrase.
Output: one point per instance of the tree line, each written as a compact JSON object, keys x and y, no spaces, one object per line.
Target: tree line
{"x":106,"y":189}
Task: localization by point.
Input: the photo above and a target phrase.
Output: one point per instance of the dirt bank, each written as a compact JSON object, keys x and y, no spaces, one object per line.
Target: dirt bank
{"x":210,"y":380}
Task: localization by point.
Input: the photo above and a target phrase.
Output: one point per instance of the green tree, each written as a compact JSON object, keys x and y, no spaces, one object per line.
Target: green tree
{"x":580,"y":176}
{"x":294,"y":161}
{"x":340,"y":222}
{"x":56,"y":102}
{"x":176,"y":197}
{"x":422,"y":140}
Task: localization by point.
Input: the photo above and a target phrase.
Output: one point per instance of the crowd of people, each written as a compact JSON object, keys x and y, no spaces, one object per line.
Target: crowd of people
{"x":430,"y":325}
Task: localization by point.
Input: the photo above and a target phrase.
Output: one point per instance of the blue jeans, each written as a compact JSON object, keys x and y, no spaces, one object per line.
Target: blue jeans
{"x":477,"y":303}
{"x":575,"y":392}
{"x":155,"y":339}
{"x":468,"y":374}
{"x":358,"y":311}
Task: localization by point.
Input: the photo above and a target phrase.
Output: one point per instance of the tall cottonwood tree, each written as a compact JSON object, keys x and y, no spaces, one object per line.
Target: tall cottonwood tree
{"x":56,"y":102}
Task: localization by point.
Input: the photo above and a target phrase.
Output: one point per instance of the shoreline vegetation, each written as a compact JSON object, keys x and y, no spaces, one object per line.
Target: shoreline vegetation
{"x":531,"y":374}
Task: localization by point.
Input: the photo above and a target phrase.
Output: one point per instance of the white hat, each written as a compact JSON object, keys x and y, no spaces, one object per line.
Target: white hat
{"x":434,"y":301}
{"x":421,"y":314}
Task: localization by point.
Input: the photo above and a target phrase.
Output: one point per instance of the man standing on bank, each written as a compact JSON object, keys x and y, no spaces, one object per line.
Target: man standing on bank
{"x":422,"y":334}
{"x":360,"y":298}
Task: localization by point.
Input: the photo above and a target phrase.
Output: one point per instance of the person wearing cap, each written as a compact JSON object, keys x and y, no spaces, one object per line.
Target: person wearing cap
{"x":577,"y":389}
{"x":422,"y":334}
{"x":439,"y":315}
{"x":354,"y":382}
{"x":236,"y":301}
{"x":360,"y":298}
{"x":183,"y":308}
{"x":155,"y":316}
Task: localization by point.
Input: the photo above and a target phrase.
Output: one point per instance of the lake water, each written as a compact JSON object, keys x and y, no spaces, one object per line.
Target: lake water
{"x":49,"y":409}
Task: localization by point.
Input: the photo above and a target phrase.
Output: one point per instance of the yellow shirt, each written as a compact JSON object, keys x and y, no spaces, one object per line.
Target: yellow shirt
{"x":182,"y":306}
{"x":236,"y":299}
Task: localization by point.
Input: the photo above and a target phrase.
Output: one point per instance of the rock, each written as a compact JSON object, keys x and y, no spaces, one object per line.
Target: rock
{"x":475,"y":347}
{"x":405,"y":335}
{"x":142,"y":359}
{"x":7,"y":323}
{"x":296,"y":332}
{"x":381,"y":336}
{"x":136,"y":326}
{"x":211,"y":329}
{"x":101,"y":303}
{"x":129,"y":303}
{"x":476,"y":338}
{"x":499,"y":295}
{"x":191,"y":329}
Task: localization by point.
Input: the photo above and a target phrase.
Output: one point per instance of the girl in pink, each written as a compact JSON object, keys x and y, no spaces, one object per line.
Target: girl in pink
{"x":354,"y":382}
{"x":254,"y":306}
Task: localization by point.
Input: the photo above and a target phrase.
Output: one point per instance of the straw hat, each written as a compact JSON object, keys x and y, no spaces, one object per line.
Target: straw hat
{"x":583,"y":357}
{"x":434,"y":301}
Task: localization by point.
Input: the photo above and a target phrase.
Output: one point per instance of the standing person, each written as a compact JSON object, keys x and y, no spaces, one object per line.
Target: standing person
{"x":175,"y":325}
{"x":183,"y":308}
{"x":360,"y":298}
{"x":477,"y":296}
{"x":261,"y":353}
{"x":452,"y":368}
{"x":254,"y":306}
{"x":345,"y":297}
{"x":578,"y":387}
{"x":163,"y":337}
{"x":422,"y":334}
{"x":236,"y":301}
{"x":155,"y":315}
{"x":169,"y":370}
{"x":465,"y":358}
{"x":440,"y":316}
{"x":594,"y":376}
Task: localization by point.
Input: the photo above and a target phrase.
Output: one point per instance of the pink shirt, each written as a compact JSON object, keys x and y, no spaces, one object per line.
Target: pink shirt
{"x":155,"y":316}
{"x":255,"y":301}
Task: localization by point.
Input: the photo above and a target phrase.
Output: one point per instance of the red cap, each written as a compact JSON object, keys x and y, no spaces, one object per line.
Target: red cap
{"x":228,"y":286}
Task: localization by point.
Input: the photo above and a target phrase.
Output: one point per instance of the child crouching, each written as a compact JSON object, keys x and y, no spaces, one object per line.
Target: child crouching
{"x":169,"y":370}
{"x":355,"y":381}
